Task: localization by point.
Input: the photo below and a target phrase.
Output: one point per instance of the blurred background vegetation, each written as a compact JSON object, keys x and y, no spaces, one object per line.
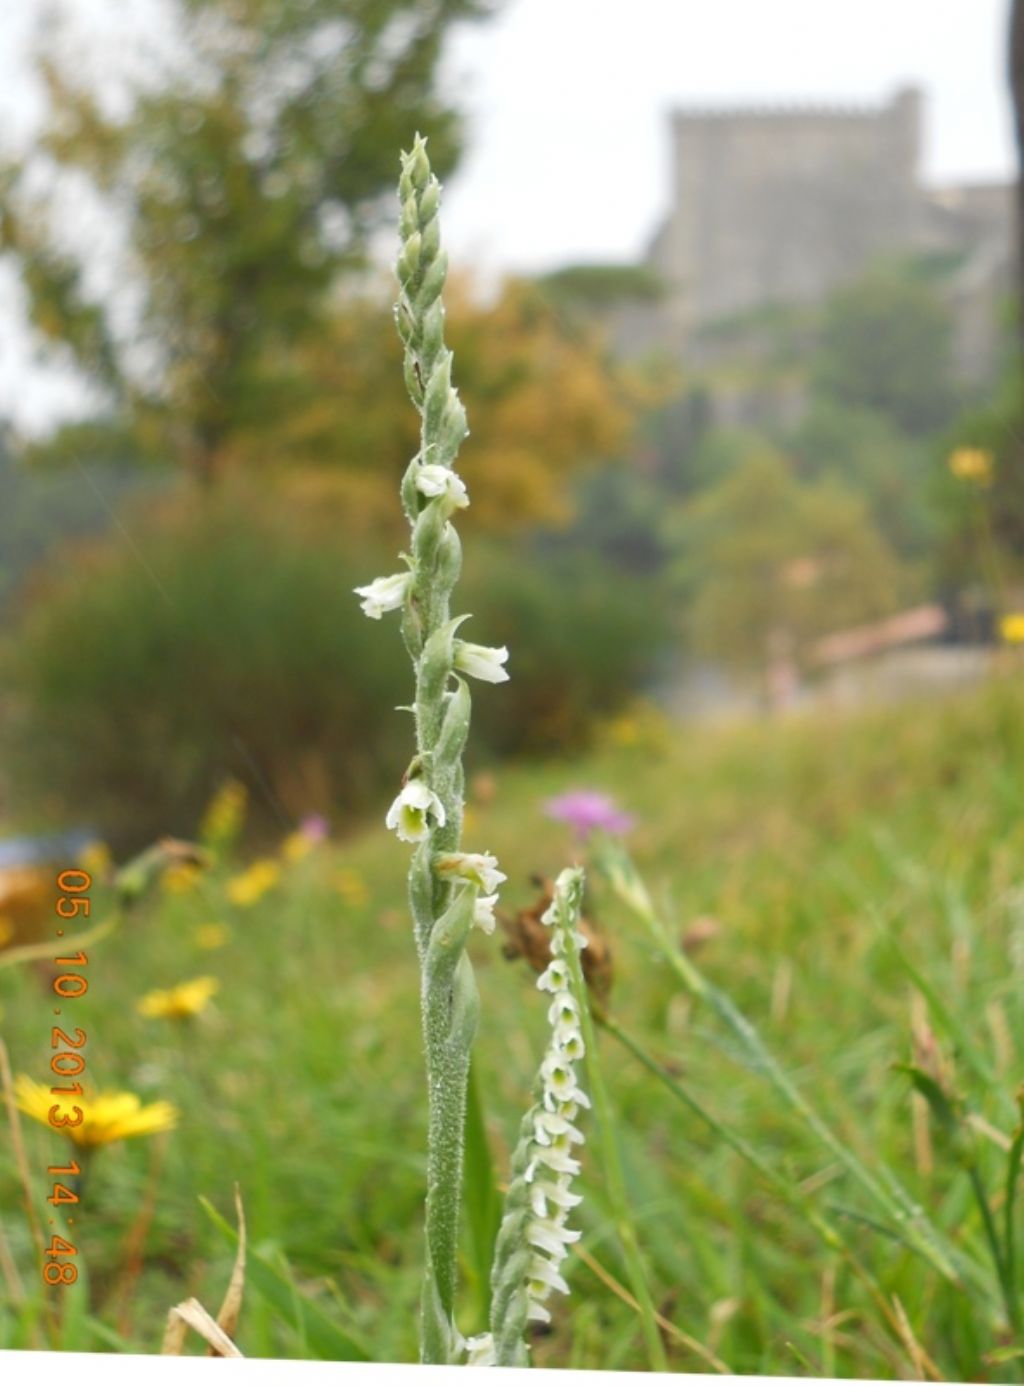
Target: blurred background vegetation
{"x":177,"y":561}
{"x":202,"y":248}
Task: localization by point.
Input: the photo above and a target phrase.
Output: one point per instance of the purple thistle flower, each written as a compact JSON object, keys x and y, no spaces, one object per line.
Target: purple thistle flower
{"x":314,"y":827}
{"x":587,"y":811}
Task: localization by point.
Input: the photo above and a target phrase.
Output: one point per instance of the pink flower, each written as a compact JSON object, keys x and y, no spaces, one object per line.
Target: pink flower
{"x":587,"y":811}
{"x":314,"y":828}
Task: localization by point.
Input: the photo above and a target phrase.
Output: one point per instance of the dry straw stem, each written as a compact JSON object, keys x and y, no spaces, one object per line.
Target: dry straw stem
{"x":15,"y":1289}
{"x":923,"y":1364}
{"x":696,"y":1347}
{"x":33,"y":952}
{"x":132,"y":1253}
{"x":18,"y":1146}
{"x":216,"y":1332}
{"x":191,"y":1314}
{"x":21,"y":1160}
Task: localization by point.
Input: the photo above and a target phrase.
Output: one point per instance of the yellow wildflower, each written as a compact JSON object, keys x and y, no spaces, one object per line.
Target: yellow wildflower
{"x":296,"y":846}
{"x":106,"y":1116}
{"x":96,"y":859}
{"x":972,"y":464}
{"x":254,"y":883}
{"x":225,"y":814}
{"x":313,"y":830}
{"x":1011,"y":628}
{"x":351,"y":887}
{"x":181,"y":877}
{"x":623,"y":731}
{"x":180,"y":1002}
{"x":210,"y":936}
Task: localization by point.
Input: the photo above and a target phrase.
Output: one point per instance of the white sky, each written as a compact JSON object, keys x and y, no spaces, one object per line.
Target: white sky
{"x":568,"y":153}
{"x":568,"y":100}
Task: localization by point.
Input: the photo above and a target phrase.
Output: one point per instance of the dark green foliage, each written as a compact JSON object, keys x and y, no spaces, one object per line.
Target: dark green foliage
{"x":583,"y":637}
{"x":998,"y":508}
{"x":602,"y":286}
{"x":210,"y":647}
{"x":231,"y":643}
{"x":38,"y":506}
{"x":885,"y":345}
{"x":617,"y":517}
{"x":768,"y":564}
{"x":868,"y":453}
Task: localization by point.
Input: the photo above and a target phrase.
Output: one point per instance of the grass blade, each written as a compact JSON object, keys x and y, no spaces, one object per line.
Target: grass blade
{"x":481,"y":1199}
{"x":326,"y":1339}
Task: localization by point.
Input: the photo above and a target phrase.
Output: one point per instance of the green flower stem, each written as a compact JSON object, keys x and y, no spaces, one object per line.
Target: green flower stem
{"x":442,"y":911}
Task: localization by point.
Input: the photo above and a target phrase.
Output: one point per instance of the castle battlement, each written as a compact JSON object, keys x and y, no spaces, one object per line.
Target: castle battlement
{"x":781,"y":110}
{"x":783,"y":201}
{"x":906,"y":104}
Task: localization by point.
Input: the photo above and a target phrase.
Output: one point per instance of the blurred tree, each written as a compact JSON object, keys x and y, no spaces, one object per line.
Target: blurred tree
{"x":772,"y":564}
{"x":244,"y":176}
{"x":541,"y":401}
{"x":40,"y":506}
{"x":885,"y":345}
{"x":1016,"y":70}
{"x":869,"y":454}
{"x":988,"y":508}
{"x":595,"y":287}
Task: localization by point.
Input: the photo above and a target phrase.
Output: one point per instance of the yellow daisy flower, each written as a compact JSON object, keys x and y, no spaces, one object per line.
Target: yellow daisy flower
{"x":96,"y":859}
{"x":181,"y":878}
{"x":180,"y":1002}
{"x":106,"y":1116}
{"x":972,"y":464}
{"x":210,"y":936}
{"x":254,"y":883}
{"x":1011,"y":628}
{"x":296,"y":846}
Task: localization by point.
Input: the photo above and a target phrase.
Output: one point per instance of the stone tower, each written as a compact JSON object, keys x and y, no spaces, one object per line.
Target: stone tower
{"x":782,"y":205}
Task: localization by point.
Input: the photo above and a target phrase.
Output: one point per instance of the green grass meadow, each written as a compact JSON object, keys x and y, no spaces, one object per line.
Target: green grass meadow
{"x":849,"y":879}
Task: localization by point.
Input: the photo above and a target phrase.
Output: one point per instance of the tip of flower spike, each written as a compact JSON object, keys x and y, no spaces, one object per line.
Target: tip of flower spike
{"x":416,"y":163}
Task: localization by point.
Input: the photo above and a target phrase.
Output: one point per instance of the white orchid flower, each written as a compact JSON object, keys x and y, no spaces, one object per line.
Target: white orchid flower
{"x":433,"y":481}
{"x":483,"y":912}
{"x":484,"y":662}
{"x":480,"y":868}
{"x":384,"y":594}
{"x":412,"y":811}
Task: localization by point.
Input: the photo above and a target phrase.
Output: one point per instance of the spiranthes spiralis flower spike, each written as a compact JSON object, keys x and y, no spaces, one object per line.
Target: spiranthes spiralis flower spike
{"x":534,"y":1235}
{"x":428,"y":810}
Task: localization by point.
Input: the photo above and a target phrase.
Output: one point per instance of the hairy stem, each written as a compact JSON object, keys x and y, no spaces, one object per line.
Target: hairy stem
{"x":442,"y":912}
